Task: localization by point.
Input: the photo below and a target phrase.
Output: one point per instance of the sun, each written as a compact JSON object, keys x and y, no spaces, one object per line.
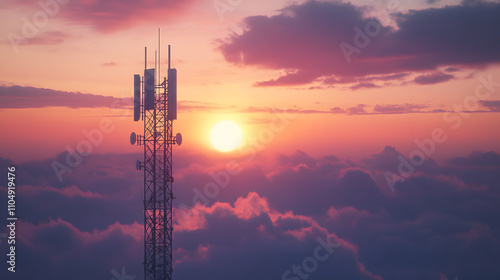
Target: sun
{"x":225,"y":136}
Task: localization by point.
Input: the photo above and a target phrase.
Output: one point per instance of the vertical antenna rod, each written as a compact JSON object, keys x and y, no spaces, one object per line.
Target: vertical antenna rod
{"x":169,"y":57}
{"x":159,"y":60}
{"x":145,"y":58}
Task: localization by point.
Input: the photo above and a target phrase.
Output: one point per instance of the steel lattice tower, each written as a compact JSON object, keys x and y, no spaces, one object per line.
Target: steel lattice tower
{"x":151,"y":102}
{"x":158,"y":194}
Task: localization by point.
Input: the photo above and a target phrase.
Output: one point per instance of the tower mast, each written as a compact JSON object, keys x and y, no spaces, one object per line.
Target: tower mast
{"x":156,"y":102}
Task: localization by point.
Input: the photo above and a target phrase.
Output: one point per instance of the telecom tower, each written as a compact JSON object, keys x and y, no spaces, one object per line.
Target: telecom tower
{"x":155,"y":102}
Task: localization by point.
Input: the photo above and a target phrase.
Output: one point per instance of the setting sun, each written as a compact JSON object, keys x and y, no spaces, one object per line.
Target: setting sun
{"x":225,"y":136}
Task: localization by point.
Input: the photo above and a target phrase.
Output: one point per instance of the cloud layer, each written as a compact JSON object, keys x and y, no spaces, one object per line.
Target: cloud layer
{"x":263,"y":221}
{"x":18,"y":97}
{"x":32,"y":97}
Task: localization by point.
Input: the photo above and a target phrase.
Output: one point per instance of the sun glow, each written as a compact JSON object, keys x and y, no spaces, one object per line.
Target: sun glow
{"x":225,"y":136}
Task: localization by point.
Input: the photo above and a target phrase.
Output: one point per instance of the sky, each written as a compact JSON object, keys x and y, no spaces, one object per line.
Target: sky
{"x":370,"y":137}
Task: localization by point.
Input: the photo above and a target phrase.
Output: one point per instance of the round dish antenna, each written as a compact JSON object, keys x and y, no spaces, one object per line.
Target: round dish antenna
{"x":133,"y":138}
{"x":178,"y":139}
{"x":138,"y":165}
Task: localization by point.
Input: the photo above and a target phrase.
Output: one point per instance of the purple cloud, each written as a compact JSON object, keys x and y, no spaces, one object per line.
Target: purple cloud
{"x":31,"y":97}
{"x":267,"y":218}
{"x":433,"y":78}
{"x":304,"y":39}
{"x":493,"y":105}
{"x":399,"y":108}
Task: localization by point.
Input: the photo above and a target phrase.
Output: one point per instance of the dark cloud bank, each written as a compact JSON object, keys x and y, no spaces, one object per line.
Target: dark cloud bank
{"x":440,"y":222}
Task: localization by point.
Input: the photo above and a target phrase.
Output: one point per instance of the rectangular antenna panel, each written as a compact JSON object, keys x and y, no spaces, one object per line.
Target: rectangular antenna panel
{"x":172,"y":94}
{"x":137,"y":97}
{"x":149,"y":89}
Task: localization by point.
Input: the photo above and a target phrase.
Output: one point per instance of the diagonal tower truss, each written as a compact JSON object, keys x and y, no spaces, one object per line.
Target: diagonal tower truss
{"x":156,"y":104}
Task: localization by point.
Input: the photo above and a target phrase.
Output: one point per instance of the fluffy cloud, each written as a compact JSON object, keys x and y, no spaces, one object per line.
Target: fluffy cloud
{"x":101,"y":184}
{"x":439,"y":222}
{"x":433,"y":78}
{"x":55,"y":249}
{"x":255,"y":228}
{"x":337,"y":43}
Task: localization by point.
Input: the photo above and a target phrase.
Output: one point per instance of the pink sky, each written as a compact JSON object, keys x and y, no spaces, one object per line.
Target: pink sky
{"x":84,"y":53}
